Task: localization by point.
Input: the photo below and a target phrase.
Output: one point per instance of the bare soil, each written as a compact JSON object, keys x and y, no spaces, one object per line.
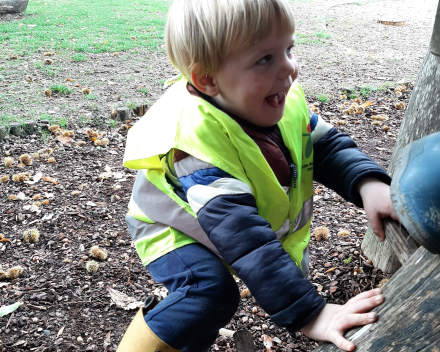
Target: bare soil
{"x":67,"y":309}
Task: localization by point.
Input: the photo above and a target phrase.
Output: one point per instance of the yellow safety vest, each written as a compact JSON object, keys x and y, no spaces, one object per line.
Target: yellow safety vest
{"x":160,"y":221}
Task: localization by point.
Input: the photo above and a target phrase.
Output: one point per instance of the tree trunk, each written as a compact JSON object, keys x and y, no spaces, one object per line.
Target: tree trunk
{"x":422,"y":118}
{"x":409,"y":320}
{"x":12,"y":6}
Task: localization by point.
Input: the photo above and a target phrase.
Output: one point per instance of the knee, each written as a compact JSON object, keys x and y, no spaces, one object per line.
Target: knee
{"x":220,"y":295}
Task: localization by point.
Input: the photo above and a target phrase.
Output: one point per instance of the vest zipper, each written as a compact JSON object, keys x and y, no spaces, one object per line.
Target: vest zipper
{"x":292,"y":167}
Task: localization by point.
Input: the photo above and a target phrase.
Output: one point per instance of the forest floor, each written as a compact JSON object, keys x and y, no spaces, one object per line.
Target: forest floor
{"x":340,"y":47}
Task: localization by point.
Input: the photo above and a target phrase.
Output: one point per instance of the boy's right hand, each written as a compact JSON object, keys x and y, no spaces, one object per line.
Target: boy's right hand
{"x":333,"y":320}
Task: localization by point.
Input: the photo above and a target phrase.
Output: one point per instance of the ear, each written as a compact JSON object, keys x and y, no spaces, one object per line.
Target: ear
{"x":206,"y":84}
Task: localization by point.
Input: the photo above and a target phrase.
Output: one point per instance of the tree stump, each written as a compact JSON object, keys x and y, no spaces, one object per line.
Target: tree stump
{"x":3,"y":131}
{"x":15,"y":129}
{"x":123,"y":114}
{"x":244,"y":341}
{"x":29,"y":127}
{"x":13,"y":6}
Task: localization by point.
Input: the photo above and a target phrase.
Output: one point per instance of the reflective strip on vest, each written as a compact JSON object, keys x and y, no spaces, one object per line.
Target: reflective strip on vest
{"x":304,"y":215}
{"x":161,"y":208}
{"x":140,"y":229}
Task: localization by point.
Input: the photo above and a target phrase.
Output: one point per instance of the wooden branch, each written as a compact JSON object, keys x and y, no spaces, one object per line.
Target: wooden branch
{"x":409,"y":319}
{"x":244,"y":341}
{"x":399,"y":239}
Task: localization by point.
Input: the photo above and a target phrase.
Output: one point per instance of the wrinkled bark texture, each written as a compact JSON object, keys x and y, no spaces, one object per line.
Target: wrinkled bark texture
{"x":422,"y":118}
{"x":13,"y":6}
{"x":409,"y":320}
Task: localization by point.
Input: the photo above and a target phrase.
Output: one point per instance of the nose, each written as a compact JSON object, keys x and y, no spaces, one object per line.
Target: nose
{"x":289,"y":68}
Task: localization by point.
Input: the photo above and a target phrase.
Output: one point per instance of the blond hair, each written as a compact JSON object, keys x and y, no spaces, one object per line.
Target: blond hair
{"x":200,"y":33}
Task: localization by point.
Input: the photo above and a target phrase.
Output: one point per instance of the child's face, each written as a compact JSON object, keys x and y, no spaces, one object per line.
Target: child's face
{"x":253,"y":82}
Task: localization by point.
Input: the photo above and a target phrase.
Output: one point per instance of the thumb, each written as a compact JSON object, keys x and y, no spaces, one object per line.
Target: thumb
{"x":376,"y":226}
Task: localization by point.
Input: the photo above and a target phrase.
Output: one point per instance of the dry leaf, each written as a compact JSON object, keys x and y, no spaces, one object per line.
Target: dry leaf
{"x":333,"y":289}
{"x":50,"y":179}
{"x":107,"y":340}
{"x":36,"y":178}
{"x":64,"y":140}
{"x":267,"y":342}
{"x":60,"y":332}
{"x":367,"y":104}
{"x":69,"y":80}
{"x":331,"y":269}
{"x":122,"y":300}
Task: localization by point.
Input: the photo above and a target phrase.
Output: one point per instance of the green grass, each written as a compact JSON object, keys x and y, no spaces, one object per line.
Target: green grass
{"x":60,"y":88}
{"x":5,"y":119}
{"x":83,"y":120}
{"x":324,"y":98}
{"x":79,"y":57}
{"x":89,"y":97}
{"x":305,"y":39}
{"x":54,"y":120}
{"x":323,"y":35}
{"x":113,"y":123}
{"x":92,"y":26}
{"x":131,"y":105}
{"x":143,"y":90}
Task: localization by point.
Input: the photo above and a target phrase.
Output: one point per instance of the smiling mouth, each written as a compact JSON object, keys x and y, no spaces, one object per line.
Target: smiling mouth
{"x":276,"y":100}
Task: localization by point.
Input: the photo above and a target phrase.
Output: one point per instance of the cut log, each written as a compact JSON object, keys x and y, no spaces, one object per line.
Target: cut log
{"x":399,"y":239}
{"x":409,"y":319}
{"x":123,"y":114}
{"x":244,"y":341}
{"x":13,"y":6}
{"x":421,"y":119}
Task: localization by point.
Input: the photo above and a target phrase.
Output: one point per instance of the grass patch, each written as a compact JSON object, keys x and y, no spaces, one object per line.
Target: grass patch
{"x":144,"y":90}
{"x":131,"y":105}
{"x":324,"y":98}
{"x":79,"y":58}
{"x":89,"y":97}
{"x":54,"y":120}
{"x":60,"y":88}
{"x":323,"y":35}
{"x":5,"y":120}
{"x":94,"y":26}
{"x":305,"y":39}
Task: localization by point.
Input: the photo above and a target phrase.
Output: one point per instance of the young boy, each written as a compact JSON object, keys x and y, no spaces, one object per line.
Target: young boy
{"x":226,"y":161}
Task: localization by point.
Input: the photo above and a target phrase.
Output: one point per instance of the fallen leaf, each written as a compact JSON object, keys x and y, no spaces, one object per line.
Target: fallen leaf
{"x":107,"y":340}
{"x":50,"y":179}
{"x":69,"y":80}
{"x":8,"y":309}
{"x":60,"y":332}
{"x":331,"y":269}
{"x":64,"y":140}
{"x":36,"y":178}
{"x":333,"y":289}
{"x":122,"y":300}
{"x":267,"y":342}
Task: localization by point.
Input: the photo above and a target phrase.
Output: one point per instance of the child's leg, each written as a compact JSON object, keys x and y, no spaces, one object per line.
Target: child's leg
{"x":203,"y":298}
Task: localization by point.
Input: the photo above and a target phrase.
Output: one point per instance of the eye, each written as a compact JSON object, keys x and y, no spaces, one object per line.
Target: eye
{"x":290,"y":49}
{"x":264,"y":60}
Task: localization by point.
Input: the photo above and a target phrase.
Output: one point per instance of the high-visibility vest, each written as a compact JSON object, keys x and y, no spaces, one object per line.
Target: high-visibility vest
{"x":189,"y":123}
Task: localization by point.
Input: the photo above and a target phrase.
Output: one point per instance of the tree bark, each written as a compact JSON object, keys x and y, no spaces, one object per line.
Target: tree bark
{"x":422,"y":118}
{"x":409,"y":319}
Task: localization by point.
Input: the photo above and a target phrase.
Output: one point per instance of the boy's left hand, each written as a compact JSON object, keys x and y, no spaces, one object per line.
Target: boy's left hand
{"x":377,"y":204}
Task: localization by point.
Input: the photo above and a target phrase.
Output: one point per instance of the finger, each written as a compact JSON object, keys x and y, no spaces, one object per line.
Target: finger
{"x":350,"y":320}
{"x":364,"y":295}
{"x":364,"y":305}
{"x":338,"y":339}
{"x":376,"y":226}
